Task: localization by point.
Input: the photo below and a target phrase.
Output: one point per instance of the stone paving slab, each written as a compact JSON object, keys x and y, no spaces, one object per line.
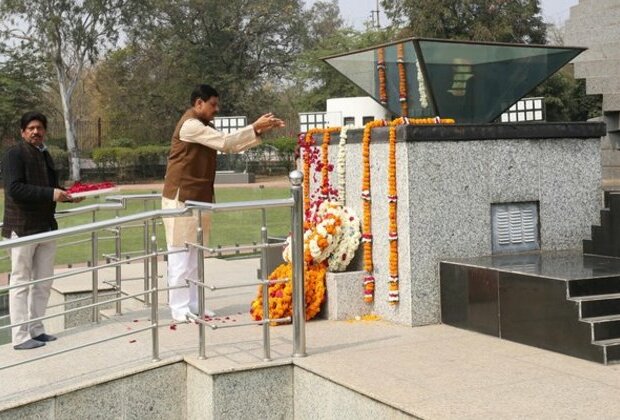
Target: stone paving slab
{"x":432,"y":372}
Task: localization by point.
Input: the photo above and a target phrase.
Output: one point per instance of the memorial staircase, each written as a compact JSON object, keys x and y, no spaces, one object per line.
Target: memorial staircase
{"x":599,"y":300}
{"x":565,"y":301}
{"x":593,"y":24}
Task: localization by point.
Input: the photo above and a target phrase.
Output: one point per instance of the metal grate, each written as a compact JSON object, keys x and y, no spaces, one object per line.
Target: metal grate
{"x":515,"y":227}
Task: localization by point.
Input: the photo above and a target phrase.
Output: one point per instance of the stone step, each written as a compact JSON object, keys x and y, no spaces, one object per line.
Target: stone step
{"x":608,"y":342}
{"x":604,"y":318}
{"x":612,"y":352}
{"x":590,"y":15}
{"x":610,"y":172}
{"x":611,"y":102}
{"x":602,"y":305}
{"x":606,"y":330}
{"x":597,"y":52}
{"x":596,"y":298}
{"x":591,"y":39}
{"x":600,"y":85}
{"x":606,"y":146}
{"x":594,"y":287}
{"x":586,"y":29}
{"x":604,"y":16}
{"x":579,"y":10}
{"x":612,"y":349}
{"x":597,"y":68}
{"x":587,"y":8}
{"x":611,"y":120}
{"x":610,"y":158}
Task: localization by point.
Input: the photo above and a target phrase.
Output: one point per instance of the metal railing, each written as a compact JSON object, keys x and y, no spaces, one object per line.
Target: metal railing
{"x":150,"y":258}
{"x":117,"y":203}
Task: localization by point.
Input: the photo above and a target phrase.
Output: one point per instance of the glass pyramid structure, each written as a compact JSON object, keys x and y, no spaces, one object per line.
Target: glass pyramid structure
{"x":472,"y":82}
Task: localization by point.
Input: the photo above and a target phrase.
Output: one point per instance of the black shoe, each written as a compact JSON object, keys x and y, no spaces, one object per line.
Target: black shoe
{"x":30,"y":344}
{"x":44,"y":338}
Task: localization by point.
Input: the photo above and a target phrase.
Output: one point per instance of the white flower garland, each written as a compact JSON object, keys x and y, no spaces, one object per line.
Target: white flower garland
{"x":421,"y":87}
{"x":286,"y":254}
{"x":349,"y":241}
{"x":341,"y":245}
{"x":320,"y":232}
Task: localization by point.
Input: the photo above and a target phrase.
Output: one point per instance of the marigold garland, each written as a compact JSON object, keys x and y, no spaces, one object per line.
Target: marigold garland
{"x":326,"y":220}
{"x":393,"y":287}
{"x":281,"y":294}
{"x":402,"y":80}
{"x":369,"y":279}
{"x":331,"y":241}
{"x":326,"y":167}
{"x":331,"y":235}
{"x":383,"y":97}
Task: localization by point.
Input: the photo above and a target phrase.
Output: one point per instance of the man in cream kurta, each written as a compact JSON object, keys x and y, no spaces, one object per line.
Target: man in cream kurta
{"x":190,"y":175}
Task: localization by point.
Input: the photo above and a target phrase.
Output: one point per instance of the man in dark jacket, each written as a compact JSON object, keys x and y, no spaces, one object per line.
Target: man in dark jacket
{"x":31,"y":191}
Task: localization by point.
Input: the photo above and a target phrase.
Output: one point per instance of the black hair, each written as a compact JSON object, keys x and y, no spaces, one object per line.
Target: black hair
{"x":203,"y":92}
{"x":28,"y":117}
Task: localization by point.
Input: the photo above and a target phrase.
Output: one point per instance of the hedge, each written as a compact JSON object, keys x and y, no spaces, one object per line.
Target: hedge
{"x":130,"y":163}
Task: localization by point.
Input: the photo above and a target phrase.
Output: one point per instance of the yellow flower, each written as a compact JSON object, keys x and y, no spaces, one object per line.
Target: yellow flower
{"x":280,"y":294}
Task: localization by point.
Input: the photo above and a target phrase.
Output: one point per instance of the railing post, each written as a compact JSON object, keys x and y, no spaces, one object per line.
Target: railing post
{"x":264,"y":278}
{"x":94,"y":238}
{"x":118,"y":270}
{"x":146,"y":238}
{"x":201,"y":290}
{"x":154,"y":300}
{"x":297,"y":252}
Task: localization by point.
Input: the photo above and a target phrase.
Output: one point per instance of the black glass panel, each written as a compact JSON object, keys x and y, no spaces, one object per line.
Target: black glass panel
{"x":535,"y":311}
{"x":469,"y":298}
{"x":470,"y":82}
{"x":477,"y":82}
{"x":362,"y":69}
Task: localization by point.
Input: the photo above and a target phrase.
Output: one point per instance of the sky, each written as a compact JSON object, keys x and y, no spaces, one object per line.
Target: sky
{"x":356,"y":12}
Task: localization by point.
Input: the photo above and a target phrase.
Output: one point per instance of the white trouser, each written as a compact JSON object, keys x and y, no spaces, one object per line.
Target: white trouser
{"x":30,"y":262}
{"x":181,"y":266}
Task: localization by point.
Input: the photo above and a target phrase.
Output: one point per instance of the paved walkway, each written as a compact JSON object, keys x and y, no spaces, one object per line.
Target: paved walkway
{"x":432,"y":372}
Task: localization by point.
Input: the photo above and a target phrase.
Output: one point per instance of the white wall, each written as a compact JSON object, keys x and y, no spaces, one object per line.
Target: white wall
{"x":338,"y":109}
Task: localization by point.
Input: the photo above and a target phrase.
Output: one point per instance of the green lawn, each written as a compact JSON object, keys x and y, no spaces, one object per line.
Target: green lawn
{"x":227,"y":228}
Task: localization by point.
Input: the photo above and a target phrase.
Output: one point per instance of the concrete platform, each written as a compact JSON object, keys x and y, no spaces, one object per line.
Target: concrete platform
{"x":431,"y":372}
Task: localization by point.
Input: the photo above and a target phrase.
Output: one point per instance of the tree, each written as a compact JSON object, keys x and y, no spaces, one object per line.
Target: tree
{"x":480,"y":20}
{"x":21,"y":89}
{"x":566,"y":99}
{"x":141,"y":92}
{"x":327,"y":35}
{"x":239,"y":48}
{"x":66,"y":35}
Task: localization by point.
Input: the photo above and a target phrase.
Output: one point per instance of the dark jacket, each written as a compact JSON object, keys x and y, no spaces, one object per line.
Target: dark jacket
{"x":29,"y":182}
